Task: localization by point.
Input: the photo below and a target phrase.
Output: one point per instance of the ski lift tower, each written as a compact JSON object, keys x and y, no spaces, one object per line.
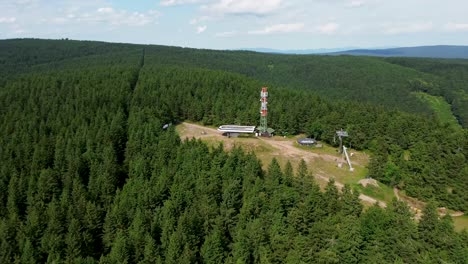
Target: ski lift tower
{"x":343,"y":150}
{"x":263,"y":128}
{"x":341,"y":134}
{"x":348,"y":160}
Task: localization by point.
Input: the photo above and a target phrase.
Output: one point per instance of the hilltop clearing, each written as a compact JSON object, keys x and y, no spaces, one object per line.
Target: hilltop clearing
{"x":322,"y":165}
{"x":322,"y":162}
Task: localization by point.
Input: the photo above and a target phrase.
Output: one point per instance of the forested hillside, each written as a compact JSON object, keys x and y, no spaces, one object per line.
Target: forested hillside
{"x":361,"y":79}
{"x":454,"y":74}
{"x":89,"y":175}
{"x":343,"y":78}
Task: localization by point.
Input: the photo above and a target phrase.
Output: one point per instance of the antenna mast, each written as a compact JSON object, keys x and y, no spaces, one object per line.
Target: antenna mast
{"x":263,"y":128}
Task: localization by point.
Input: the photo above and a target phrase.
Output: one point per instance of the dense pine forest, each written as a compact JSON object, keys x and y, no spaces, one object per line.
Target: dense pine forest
{"x":88,"y":174}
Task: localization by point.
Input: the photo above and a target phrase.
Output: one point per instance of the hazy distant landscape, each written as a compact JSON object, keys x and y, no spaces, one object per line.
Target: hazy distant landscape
{"x":448,"y":52}
{"x":443,"y":51}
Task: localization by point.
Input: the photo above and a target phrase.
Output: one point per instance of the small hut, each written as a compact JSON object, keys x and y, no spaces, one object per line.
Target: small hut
{"x":306,"y":141}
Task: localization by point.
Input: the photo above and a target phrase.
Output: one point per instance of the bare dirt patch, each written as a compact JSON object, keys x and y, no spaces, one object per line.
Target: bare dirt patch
{"x":364,"y":198}
{"x":371,"y":182}
{"x":287,"y":149}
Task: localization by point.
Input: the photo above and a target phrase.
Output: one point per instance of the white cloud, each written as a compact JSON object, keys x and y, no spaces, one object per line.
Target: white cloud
{"x":359,"y":23}
{"x":177,"y":2}
{"x":356,"y":3}
{"x":105,"y":10}
{"x":59,"y":20}
{"x":328,"y":28}
{"x":7,"y":20}
{"x":456,"y":27}
{"x":22,"y":2}
{"x":279,"y":28}
{"x":244,"y":7}
{"x":409,"y":28}
{"x":226,"y":34}
{"x":108,"y":15}
{"x":199,"y":19}
{"x":201,"y":29}
{"x":25,"y":2}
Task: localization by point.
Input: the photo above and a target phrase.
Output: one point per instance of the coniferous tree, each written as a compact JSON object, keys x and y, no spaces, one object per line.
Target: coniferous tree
{"x":351,"y":204}
{"x":119,"y":252}
{"x":213,"y":247}
{"x":74,"y":240}
{"x":331,"y":198}
{"x":428,"y":225}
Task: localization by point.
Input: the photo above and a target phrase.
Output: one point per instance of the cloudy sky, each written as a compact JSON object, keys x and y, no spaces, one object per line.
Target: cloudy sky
{"x":232,"y":24}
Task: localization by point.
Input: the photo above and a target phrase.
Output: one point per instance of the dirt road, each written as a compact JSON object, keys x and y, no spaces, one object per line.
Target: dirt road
{"x":365,"y":198}
{"x":286,"y":148}
{"x":417,"y":205}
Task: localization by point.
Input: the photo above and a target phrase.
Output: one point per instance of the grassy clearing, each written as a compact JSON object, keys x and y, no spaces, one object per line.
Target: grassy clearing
{"x":441,"y":108}
{"x":383,"y":192}
{"x":460,"y":222}
{"x":325,"y":149}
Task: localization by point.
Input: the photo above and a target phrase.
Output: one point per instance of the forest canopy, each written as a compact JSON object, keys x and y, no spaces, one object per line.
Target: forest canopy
{"x":88,"y":174}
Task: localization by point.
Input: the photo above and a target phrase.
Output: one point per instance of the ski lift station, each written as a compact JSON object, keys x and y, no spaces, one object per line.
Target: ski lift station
{"x":234,"y":130}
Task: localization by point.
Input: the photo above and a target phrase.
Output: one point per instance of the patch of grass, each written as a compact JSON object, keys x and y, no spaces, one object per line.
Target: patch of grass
{"x":325,"y":149}
{"x":383,"y":192}
{"x":252,"y":144}
{"x":342,"y":174}
{"x":460,"y":222}
{"x":441,"y":107}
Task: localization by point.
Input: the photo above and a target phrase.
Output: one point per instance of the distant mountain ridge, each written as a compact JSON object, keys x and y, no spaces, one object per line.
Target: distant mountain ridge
{"x":298,"y":52}
{"x":439,"y":51}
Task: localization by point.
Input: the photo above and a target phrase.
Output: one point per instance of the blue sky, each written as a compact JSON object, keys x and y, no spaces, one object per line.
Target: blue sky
{"x":233,"y":24}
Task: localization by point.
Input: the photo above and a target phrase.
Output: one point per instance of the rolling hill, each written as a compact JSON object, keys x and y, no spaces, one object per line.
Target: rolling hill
{"x":390,"y":82}
{"x":440,"y":51}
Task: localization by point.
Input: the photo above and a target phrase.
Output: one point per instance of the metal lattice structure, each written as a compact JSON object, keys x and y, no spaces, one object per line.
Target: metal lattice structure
{"x":263,"y":128}
{"x":341,"y":134}
{"x":342,"y":149}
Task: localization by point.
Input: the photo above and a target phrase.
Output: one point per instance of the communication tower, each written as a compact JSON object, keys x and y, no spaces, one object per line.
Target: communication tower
{"x":263,"y":128}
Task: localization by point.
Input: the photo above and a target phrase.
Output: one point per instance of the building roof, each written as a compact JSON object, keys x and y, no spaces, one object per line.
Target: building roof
{"x":306,"y":141}
{"x":237,"y":129}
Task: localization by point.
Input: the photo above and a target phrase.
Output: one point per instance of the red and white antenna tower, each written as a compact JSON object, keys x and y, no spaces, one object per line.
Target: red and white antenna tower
{"x":263,"y":128}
